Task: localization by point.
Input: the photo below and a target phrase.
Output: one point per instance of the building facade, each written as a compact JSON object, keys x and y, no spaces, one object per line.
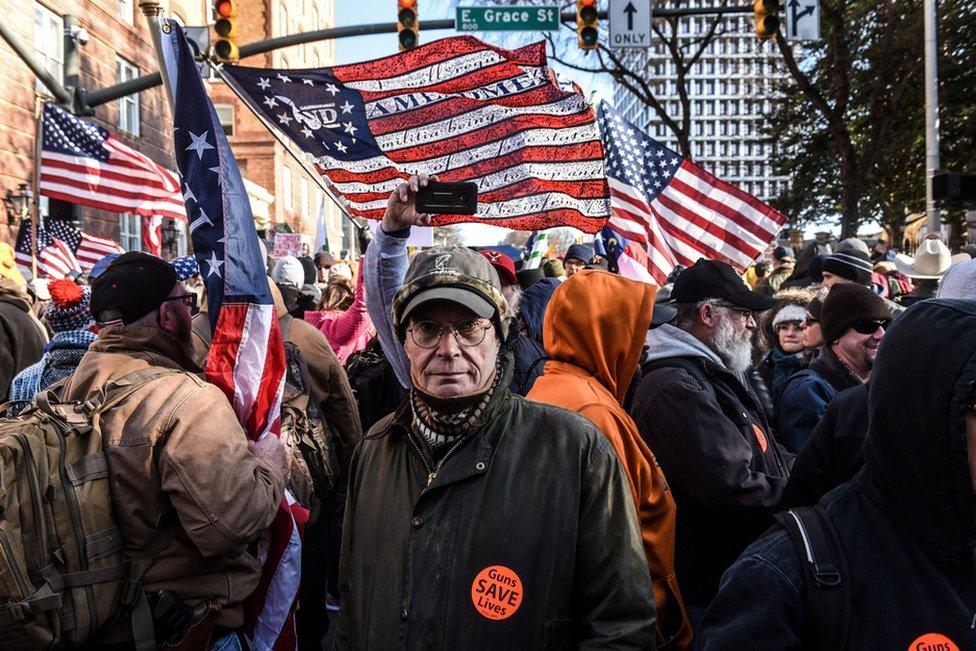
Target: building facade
{"x":113,"y":45}
{"x":732,"y":89}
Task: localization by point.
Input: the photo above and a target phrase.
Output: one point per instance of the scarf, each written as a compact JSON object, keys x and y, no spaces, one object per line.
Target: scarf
{"x":441,"y":421}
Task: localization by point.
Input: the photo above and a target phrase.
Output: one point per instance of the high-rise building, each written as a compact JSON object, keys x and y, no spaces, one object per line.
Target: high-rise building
{"x":732,"y":90}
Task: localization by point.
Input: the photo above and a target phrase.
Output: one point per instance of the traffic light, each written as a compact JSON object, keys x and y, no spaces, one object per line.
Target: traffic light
{"x":767,"y":18}
{"x":408,"y":27}
{"x":225,"y":45}
{"x":586,"y":24}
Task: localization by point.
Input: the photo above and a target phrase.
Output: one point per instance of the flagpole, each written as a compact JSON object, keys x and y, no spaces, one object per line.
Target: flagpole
{"x":36,"y":199}
{"x":322,"y":182}
{"x":152,"y":11}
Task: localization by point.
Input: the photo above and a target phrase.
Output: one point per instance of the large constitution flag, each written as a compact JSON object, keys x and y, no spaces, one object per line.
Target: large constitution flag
{"x":676,"y":209}
{"x":458,"y":108}
{"x":247,"y":357}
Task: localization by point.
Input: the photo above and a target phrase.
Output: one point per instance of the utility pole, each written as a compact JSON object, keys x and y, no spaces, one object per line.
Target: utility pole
{"x":933,"y":221}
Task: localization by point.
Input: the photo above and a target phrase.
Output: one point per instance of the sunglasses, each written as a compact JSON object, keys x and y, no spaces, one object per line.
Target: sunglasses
{"x":190,"y":299}
{"x":870,"y":326}
{"x":809,"y":321}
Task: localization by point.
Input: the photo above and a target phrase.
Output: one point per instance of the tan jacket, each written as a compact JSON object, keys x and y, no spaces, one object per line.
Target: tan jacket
{"x":175,"y":445}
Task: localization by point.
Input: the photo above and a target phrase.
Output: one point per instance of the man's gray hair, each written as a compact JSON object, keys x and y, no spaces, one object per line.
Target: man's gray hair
{"x":689,"y":314}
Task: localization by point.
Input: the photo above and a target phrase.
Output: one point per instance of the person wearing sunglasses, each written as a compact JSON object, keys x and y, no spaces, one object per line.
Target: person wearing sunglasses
{"x":853,"y":321}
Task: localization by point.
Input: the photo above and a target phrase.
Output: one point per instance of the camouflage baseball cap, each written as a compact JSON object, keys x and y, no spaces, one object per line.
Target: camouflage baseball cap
{"x":452,"y":273}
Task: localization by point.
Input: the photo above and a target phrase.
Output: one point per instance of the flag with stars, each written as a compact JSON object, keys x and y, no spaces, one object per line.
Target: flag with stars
{"x":458,"y":108}
{"x":61,"y":249}
{"x":247,"y":357}
{"x":84,"y":164}
{"x":676,"y":209}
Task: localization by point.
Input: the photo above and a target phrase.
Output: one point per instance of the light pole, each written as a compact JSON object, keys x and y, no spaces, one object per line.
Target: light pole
{"x":933,"y":220}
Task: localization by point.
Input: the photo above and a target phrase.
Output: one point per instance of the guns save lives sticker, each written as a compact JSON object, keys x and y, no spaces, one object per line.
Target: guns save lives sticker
{"x":496,"y":592}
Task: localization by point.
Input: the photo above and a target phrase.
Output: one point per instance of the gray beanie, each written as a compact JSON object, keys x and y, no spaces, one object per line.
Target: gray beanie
{"x":289,"y":271}
{"x":959,"y":281}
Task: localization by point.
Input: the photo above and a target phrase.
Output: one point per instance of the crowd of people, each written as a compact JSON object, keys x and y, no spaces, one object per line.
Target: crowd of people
{"x":500,"y":457}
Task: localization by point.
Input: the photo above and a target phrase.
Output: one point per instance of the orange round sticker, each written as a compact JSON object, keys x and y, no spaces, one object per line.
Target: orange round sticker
{"x":760,"y":437}
{"x":933,"y":642}
{"x":496,"y":592}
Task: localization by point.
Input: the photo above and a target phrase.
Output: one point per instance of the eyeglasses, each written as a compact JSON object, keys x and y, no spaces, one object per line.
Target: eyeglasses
{"x":468,"y":332}
{"x":809,"y":321}
{"x":189,"y":298}
{"x":741,"y":311}
{"x":870,"y":326}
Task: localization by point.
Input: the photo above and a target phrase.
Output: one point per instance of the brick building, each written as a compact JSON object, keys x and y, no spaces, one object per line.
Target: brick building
{"x":115,"y":47}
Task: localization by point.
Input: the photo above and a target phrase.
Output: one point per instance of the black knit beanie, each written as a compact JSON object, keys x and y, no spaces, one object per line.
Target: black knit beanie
{"x":847,"y":304}
{"x":851,"y":264}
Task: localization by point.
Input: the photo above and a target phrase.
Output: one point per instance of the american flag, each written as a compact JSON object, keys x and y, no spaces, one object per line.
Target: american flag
{"x":247,"y":357}
{"x":61,"y":248}
{"x":676,"y":209}
{"x":84,"y":164}
{"x":458,"y":108}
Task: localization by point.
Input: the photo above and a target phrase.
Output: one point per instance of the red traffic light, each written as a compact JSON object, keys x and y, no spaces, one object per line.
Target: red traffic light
{"x":224,"y":8}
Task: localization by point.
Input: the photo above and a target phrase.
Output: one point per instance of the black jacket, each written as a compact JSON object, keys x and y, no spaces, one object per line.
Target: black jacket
{"x":906,"y":523}
{"x":536,"y":491}
{"x":725,"y":469}
{"x":835,"y":451}
{"x":805,"y":396}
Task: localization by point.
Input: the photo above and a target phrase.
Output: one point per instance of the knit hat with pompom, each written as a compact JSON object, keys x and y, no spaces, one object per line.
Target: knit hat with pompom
{"x":68,"y":309}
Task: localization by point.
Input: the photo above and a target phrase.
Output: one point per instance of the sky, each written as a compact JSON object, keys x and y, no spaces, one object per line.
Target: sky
{"x":364,"y":48}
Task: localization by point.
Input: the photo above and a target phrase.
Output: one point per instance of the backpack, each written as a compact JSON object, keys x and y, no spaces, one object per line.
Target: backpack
{"x":827,"y":595}
{"x":312,"y":457}
{"x":63,"y":573}
{"x":374,"y":384}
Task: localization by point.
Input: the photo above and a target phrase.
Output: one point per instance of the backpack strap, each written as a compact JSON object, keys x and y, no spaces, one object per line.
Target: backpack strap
{"x":133,"y":595}
{"x":827,"y":590}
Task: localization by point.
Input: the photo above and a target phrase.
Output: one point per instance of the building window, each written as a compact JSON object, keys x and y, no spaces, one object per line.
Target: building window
{"x":282,"y":19}
{"x":49,"y":43}
{"x":225,"y":113}
{"x":125,"y":10}
{"x":286,"y":187}
{"x":303,"y":197}
{"x":130,"y":232}
{"x":128,"y":105}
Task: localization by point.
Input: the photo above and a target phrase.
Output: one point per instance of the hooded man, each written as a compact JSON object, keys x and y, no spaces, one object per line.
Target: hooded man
{"x":707,"y":429}
{"x":853,"y":320}
{"x":454,"y":537}
{"x":22,"y":337}
{"x":594,"y":331}
{"x":904,"y":526}
{"x":577,"y":256}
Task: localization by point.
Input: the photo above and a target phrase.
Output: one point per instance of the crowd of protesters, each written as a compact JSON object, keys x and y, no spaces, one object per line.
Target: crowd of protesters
{"x":558,"y":457}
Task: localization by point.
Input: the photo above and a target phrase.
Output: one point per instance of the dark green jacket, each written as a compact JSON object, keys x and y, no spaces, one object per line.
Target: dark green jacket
{"x":536,"y":493}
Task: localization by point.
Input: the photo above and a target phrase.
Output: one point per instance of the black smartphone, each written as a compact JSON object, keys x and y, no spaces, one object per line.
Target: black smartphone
{"x":448,"y":198}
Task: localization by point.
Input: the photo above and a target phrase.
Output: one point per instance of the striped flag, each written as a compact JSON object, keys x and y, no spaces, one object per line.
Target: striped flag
{"x":61,"y":248}
{"x":536,"y":248}
{"x":674,"y":208}
{"x":82,"y":163}
{"x":458,"y":108}
{"x":247,"y":357}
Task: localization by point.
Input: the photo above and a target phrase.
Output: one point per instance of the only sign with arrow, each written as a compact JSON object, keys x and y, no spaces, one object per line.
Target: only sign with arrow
{"x":803,"y":20}
{"x":630,"y":23}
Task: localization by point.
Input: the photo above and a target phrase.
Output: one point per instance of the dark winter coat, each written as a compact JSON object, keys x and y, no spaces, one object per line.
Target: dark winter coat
{"x":805,"y":396}
{"x":726,"y":470}
{"x":778,"y":367}
{"x":835,"y":451}
{"x":536,"y":493}
{"x":906,"y":523}
{"x":527,"y":347}
{"x":22,"y":338}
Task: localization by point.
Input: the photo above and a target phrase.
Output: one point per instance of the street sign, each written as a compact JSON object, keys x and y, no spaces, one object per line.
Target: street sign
{"x":803,"y":20}
{"x":507,"y":19}
{"x":630,"y":23}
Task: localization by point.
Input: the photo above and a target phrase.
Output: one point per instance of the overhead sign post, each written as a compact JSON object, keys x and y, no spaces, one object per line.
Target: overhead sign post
{"x":507,"y":19}
{"x":630,"y":23}
{"x":803,"y":20}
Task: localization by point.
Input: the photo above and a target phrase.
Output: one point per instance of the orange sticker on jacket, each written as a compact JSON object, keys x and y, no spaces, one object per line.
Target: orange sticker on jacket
{"x":496,"y":592}
{"x":933,"y":642}
{"x":760,"y":437}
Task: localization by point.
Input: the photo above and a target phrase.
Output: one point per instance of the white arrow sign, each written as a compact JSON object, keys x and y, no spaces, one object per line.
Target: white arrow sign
{"x":630,"y":23}
{"x":803,"y":20}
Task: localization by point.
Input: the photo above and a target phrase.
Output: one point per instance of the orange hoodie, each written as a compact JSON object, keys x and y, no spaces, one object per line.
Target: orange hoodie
{"x":593,"y":332}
